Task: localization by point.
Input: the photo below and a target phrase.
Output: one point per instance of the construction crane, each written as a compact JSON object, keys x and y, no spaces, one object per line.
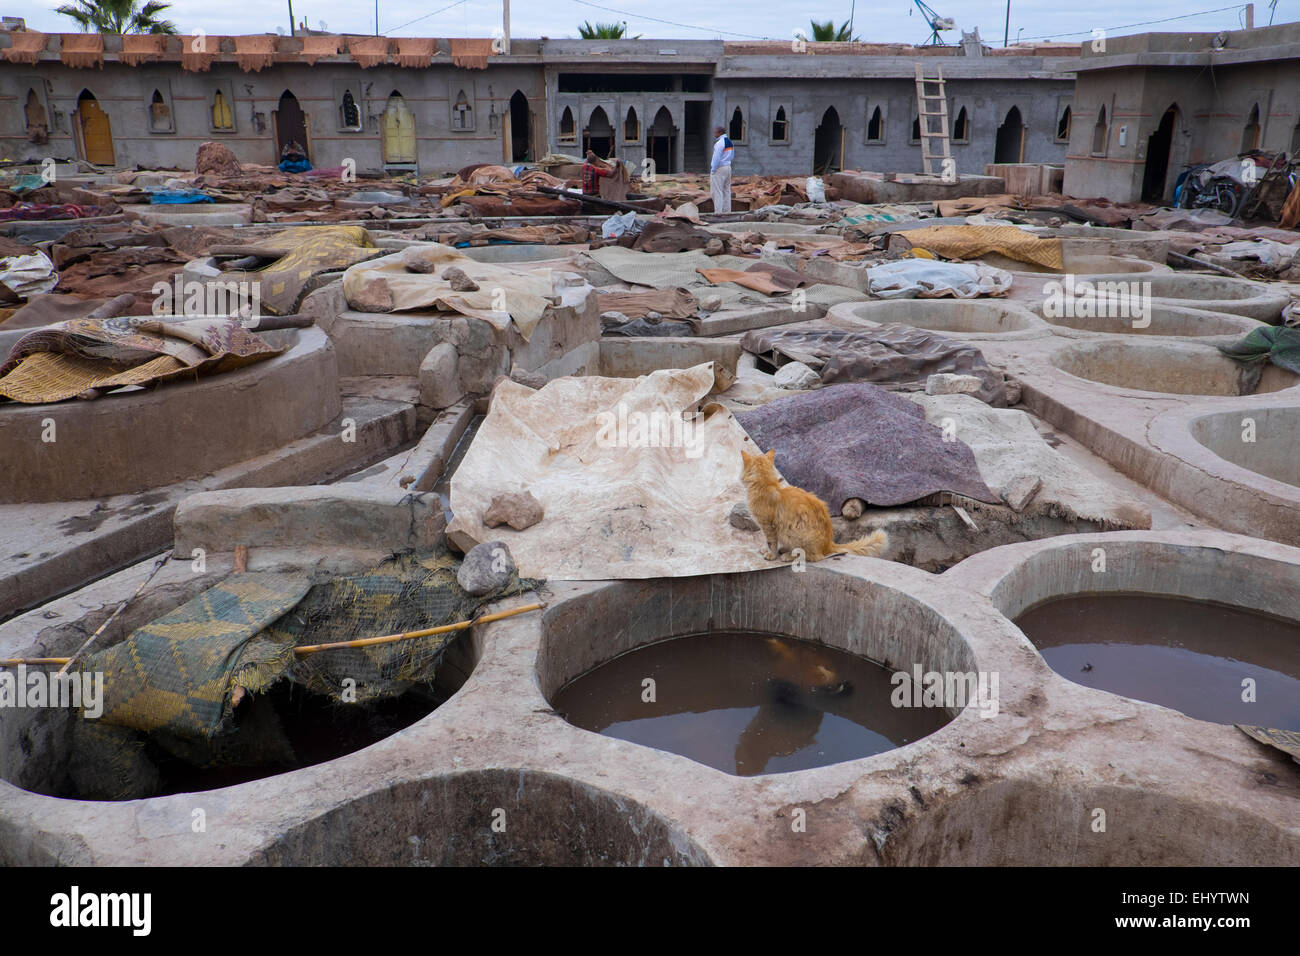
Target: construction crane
{"x":937,"y":23}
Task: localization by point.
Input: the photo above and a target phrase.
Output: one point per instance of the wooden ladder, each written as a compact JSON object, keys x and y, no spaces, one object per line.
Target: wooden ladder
{"x":924,"y":102}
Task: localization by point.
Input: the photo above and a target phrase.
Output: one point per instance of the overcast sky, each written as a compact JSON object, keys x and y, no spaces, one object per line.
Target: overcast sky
{"x":888,"y":21}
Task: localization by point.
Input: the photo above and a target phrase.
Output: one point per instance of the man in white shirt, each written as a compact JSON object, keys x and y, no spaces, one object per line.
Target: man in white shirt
{"x":720,"y":171}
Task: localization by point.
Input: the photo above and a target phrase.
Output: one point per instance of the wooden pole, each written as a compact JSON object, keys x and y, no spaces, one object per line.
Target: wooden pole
{"x":316,"y":648}
{"x":409,"y":635}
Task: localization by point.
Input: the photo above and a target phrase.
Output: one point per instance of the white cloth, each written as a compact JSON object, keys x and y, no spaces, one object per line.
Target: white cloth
{"x":720,"y":188}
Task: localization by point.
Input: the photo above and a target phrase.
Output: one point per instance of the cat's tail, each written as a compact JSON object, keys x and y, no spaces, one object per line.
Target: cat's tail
{"x":872,"y":546}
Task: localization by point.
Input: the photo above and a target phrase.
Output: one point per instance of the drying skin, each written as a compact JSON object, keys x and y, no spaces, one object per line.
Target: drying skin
{"x":796,"y":520}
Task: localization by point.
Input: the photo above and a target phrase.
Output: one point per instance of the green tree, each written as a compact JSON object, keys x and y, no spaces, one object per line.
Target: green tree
{"x":118,"y":16}
{"x":604,"y":31}
{"x":827,"y":32}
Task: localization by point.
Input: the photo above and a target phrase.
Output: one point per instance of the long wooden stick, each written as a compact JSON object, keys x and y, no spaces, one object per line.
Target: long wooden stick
{"x":112,"y":617}
{"x":314,"y":648}
{"x":408,"y":635}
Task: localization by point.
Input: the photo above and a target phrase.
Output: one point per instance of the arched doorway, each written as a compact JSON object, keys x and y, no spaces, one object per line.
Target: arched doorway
{"x":599,"y":134}
{"x":1009,"y":147}
{"x":95,"y":131}
{"x":828,"y":140}
{"x":661,"y":144}
{"x":520,"y":127}
{"x":1159,"y":144}
{"x":399,"y":132}
{"x":290,"y":125}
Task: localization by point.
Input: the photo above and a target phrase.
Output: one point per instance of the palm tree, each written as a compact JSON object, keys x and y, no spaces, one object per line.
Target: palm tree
{"x":118,"y":16}
{"x":604,"y":31}
{"x":826,"y":31}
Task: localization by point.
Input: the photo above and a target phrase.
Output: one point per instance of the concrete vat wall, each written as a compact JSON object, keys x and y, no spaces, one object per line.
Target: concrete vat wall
{"x":141,"y":439}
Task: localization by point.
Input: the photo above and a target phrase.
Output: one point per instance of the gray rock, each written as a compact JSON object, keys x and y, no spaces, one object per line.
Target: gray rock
{"x":1020,"y":491}
{"x":486,"y":568}
{"x":460,"y":282}
{"x":741,"y":518}
{"x":946,"y":383}
{"x":525,"y":377}
{"x":613,"y":318}
{"x":654,"y":318}
{"x":711,"y":303}
{"x":519,"y":509}
{"x":796,"y":375}
{"x":714,"y":247}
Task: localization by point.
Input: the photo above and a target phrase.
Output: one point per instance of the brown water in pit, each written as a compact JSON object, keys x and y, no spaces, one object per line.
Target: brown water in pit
{"x":746,"y":703}
{"x":1191,"y":656}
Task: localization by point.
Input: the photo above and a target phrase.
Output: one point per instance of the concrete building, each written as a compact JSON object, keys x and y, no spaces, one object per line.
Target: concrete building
{"x":1147,"y":105}
{"x":438,"y":105}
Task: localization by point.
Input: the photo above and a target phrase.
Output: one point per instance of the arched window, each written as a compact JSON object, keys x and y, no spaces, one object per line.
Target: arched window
{"x":349,"y":114}
{"x":961,"y":127}
{"x":1099,"y":134}
{"x":1295,"y":138}
{"x":568,"y":127}
{"x":160,"y":114}
{"x":222,"y":116}
{"x":1250,"y":133}
{"x":876,"y":127}
{"x":736,"y":128}
{"x":780,"y":126}
{"x":1063,"y":126}
{"x":631,"y":126}
{"x":916,"y":129}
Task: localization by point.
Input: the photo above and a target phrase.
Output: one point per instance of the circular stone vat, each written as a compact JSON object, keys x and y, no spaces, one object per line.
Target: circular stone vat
{"x":135,"y":439}
{"x":1155,"y":318}
{"x":1271,"y":453}
{"x":1192,"y":656}
{"x":1177,"y":619}
{"x":974,"y":317}
{"x":1167,"y":367}
{"x":55,"y":752}
{"x":448,"y":821}
{"x":764,"y":228}
{"x":746,"y":703}
{"x":1083,"y":266}
{"x":750,"y":674}
{"x":1219,"y":294}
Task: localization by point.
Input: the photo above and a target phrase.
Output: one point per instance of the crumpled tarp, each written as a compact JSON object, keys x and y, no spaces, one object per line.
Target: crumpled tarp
{"x":389,"y":285}
{"x":896,"y":357}
{"x":303,"y":251}
{"x":50,"y":365}
{"x":862,"y":441}
{"x":928,"y":279}
{"x":761,"y":277}
{"x":1008,"y":448}
{"x":969,"y":242}
{"x":27,"y":276}
{"x":670,"y":303}
{"x":1278,"y":344}
{"x":676,"y":235}
{"x":622,"y":498}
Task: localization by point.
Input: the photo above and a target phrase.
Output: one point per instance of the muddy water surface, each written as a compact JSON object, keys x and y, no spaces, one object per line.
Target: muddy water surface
{"x":746,"y":703}
{"x":1189,"y":655}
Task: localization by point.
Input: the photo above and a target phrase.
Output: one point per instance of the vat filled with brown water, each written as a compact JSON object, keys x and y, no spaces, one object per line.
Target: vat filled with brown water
{"x":1210,"y":661}
{"x":746,"y":702}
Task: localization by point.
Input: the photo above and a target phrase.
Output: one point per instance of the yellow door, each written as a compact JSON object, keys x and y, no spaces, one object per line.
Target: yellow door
{"x":96,"y":133}
{"x":399,"y":133}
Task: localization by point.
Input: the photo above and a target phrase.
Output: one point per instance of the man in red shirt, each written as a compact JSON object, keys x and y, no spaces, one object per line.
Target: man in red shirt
{"x":593,"y":171}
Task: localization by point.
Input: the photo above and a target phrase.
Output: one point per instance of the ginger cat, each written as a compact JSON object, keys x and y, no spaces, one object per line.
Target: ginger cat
{"x":793,"y":518}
